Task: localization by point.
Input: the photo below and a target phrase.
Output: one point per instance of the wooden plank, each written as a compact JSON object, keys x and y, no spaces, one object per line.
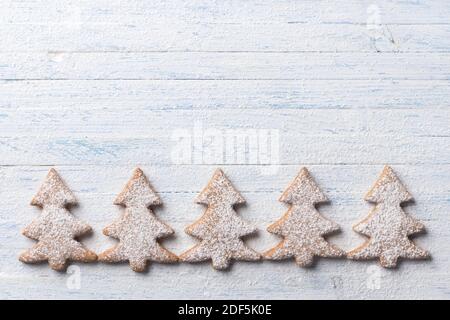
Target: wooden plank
{"x":200,"y":282}
{"x":168,"y":147}
{"x":348,"y":182}
{"x":201,"y":65}
{"x":140,"y":95}
{"x":102,"y":121}
{"x":225,"y":37}
{"x":135,"y":12}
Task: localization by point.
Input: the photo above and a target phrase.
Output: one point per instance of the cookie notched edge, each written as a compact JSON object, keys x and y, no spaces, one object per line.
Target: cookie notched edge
{"x":53,"y":198}
{"x":138,"y":195}
{"x":219,"y":195}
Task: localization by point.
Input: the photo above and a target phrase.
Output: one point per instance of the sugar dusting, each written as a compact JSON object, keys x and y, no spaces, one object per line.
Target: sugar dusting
{"x":138,"y":228}
{"x":56,"y":228}
{"x":220,"y":228}
{"x":302,"y":226}
{"x":388,"y":226}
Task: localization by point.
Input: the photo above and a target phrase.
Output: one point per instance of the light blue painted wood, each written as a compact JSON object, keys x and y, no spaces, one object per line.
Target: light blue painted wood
{"x":235,"y":37}
{"x":212,"y":94}
{"x":225,"y":66}
{"x":96,"y":88}
{"x":234,"y":11}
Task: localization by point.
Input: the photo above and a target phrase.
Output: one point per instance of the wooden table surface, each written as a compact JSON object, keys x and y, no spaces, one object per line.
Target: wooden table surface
{"x":96,"y":88}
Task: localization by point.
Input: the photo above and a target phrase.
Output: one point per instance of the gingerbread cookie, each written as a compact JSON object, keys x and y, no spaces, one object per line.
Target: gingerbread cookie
{"x":388,"y":226}
{"x":220,"y":228}
{"x":56,"y":228}
{"x":138,"y":229}
{"x":302,"y":227}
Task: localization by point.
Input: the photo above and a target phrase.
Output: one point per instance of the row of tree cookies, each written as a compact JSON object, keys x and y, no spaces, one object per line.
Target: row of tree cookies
{"x":220,"y":229}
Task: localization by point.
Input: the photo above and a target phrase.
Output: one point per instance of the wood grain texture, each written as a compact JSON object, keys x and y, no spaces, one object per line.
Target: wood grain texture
{"x":234,"y":94}
{"x":96,"y":88}
{"x":224,"y":66}
{"x":236,"y":37}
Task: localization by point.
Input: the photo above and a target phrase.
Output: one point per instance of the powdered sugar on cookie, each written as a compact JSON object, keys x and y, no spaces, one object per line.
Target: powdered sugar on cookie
{"x":388,"y":226}
{"x":138,"y":229}
{"x":56,"y":228}
{"x":302,"y":226}
{"x":220,"y":228}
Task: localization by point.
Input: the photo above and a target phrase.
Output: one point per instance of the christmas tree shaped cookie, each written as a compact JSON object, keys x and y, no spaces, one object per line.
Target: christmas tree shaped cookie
{"x":56,"y":228}
{"x":138,"y":229}
{"x":388,"y":226}
{"x":220,"y":228}
{"x":302,"y":227}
